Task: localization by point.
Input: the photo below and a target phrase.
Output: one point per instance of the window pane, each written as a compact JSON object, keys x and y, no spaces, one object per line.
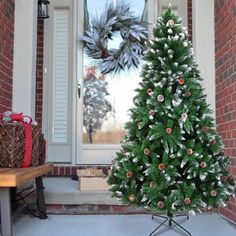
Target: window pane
{"x":107,"y":98}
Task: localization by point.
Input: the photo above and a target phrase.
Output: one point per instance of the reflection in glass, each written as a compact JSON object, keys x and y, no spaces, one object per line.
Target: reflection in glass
{"x":108,"y":98}
{"x":96,"y":105}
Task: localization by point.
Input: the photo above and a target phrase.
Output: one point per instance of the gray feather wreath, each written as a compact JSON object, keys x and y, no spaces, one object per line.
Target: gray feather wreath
{"x":130,"y":50}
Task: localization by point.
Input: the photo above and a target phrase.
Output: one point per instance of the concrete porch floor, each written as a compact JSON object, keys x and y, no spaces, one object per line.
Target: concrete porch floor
{"x":118,"y":225}
{"x":65,"y":191}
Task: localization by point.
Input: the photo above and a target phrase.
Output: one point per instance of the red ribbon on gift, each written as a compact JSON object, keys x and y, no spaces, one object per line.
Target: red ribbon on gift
{"x":28,"y":145}
{"x":26,"y":122}
{"x":28,"y":136}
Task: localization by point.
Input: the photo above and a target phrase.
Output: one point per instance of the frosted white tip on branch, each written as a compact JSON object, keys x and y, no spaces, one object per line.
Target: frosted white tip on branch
{"x":151,"y":42}
{"x":192,"y":212}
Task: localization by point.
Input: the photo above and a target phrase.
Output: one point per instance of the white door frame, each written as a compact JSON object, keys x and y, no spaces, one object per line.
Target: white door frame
{"x":79,"y":80}
{"x":24,"y":69}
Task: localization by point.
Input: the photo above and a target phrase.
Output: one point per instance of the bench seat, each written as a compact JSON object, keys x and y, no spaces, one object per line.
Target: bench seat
{"x":14,"y":177}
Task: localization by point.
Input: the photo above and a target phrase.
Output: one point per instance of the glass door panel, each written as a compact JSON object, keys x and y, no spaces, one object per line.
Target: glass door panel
{"x":106,"y":98}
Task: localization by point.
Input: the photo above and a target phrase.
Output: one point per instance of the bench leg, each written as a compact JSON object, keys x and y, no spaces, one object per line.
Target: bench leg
{"x":40,"y":198}
{"x":6,"y":220}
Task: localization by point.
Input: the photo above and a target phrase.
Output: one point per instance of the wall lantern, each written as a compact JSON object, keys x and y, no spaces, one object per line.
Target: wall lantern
{"x":43,"y":9}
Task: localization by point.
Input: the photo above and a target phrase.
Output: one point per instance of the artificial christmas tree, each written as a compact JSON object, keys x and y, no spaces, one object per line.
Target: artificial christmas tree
{"x":171,"y":157}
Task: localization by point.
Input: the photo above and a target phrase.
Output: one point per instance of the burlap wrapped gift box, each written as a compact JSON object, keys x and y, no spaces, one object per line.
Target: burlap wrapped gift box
{"x":92,"y":179}
{"x":12,"y":145}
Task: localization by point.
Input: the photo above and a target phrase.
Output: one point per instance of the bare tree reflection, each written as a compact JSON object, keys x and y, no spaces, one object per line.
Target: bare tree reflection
{"x":96,"y":106}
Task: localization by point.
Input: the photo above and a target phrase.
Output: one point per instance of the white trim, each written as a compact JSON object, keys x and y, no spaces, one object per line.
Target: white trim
{"x":80,"y":26}
{"x":204,"y":45}
{"x":24,"y":62}
{"x":152,"y":15}
{"x":46,"y":76}
{"x":101,"y":147}
{"x":99,"y":154}
{"x":74,"y":84}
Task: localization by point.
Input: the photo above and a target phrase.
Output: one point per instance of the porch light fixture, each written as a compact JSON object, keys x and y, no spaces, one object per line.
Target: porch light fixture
{"x":43,"y":9}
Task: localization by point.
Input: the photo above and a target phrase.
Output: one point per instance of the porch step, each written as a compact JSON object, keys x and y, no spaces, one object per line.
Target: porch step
{"x":228,"y":214}
{"x":93,"y":209}
{"x":63,"y":197}
{"x":232,"y":206}
{"x":65,"y":191}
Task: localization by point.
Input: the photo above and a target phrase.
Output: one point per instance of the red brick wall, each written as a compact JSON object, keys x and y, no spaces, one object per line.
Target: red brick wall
{"x":6,"y":53}
{"x":190,"y":19}
{"x":39,"y":73}
{"x":225,"y":47}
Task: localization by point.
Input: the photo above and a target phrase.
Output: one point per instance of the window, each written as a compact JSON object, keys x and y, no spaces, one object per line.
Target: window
{"x":107,"y":98}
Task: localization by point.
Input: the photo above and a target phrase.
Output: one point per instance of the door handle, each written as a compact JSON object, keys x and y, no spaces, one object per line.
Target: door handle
{"x":79,"y":90}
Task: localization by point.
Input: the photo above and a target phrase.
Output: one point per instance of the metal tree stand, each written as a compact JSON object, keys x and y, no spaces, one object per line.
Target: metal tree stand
{"x":170,"y":220}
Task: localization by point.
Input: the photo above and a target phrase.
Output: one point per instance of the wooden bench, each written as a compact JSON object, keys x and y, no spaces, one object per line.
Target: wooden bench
{"x":14,"y":177}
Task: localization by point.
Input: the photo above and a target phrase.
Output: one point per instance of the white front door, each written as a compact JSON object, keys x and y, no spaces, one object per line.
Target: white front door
{"x":104,"y":117}
{"x":83,"y":112}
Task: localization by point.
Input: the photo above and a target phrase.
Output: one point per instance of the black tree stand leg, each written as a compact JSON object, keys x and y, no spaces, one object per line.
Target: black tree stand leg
{"x":171,"y":221}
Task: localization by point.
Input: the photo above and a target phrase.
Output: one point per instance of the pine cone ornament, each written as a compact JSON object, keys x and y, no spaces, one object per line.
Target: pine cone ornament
{"x":151,"y":113}
{"x":146,"y":151}
{"x":187,"y":93}
{"x":181,"y":81}
{"x":131,"y":197}
{"x":160,"y":98}
{"x":213,"y":193}
{"x":189,"y":151}
{"x":213,"y":142}
{"x":170,"y":23}
{"x":160,"y":205}
{"x":168,"y":130}
{"x":139,"y":125}
{"x":187,"y":201}
{"x":205,"y":128}
{"x":161,"y":166}
{"x":129,"y":174}
{"x":152,"y":184}
{"x":203,"y":165}
{"x":149,"y":91}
